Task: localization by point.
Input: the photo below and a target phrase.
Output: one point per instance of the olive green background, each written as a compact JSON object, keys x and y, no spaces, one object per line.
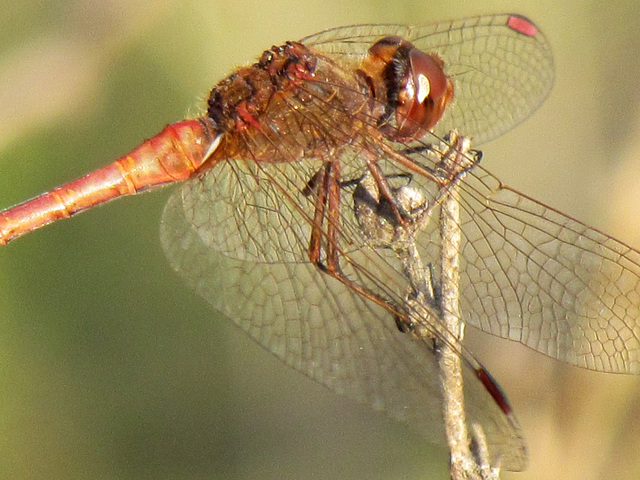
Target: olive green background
{"x":111,"y":369}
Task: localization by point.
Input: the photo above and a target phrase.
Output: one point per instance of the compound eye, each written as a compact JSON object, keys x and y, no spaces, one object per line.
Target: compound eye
{"x":423,"y":94}
{"x":427,"y":71}
{"x":410,"y":88}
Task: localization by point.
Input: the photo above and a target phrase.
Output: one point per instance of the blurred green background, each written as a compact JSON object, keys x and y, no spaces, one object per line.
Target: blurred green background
{"x":111,"y":369}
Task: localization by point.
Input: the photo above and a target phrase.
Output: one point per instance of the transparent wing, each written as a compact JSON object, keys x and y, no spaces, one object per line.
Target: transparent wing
{"x":500,"y":75}
{"x":531,"y":274}
{"x":239,"y":234}
{"x":536,"y":276}
{"x":311,"y":321}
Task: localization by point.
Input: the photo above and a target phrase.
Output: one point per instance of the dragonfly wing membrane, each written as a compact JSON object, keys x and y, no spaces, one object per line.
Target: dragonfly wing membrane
{"x":548,"y":281}
{"x":501,"y":75}
{"x":318,"y":326}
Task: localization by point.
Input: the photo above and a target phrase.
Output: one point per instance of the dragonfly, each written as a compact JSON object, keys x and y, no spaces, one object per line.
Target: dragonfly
{"x":290,"y":204}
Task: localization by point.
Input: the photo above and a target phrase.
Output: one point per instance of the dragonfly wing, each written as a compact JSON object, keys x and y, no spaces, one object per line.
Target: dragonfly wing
{"x":501,"y":75}
{"x":309,"y":320}
{"x":534,"y":275}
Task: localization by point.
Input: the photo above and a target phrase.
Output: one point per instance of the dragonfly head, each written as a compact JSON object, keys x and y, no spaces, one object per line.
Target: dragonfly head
{"x":410,"y":84}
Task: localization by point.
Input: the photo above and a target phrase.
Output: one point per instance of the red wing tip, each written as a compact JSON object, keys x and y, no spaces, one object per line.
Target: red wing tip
{"x":494,"y":390}
{"x":522,"y":25}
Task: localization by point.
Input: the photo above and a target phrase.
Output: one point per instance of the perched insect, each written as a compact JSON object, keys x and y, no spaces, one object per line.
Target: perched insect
{"x":307,"y":170}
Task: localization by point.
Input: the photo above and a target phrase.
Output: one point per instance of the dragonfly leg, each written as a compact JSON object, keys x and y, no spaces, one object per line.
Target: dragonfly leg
{"x":326,"y":186}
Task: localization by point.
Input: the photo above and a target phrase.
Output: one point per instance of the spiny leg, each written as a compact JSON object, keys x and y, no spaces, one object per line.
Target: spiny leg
{"x":325,"y":184}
